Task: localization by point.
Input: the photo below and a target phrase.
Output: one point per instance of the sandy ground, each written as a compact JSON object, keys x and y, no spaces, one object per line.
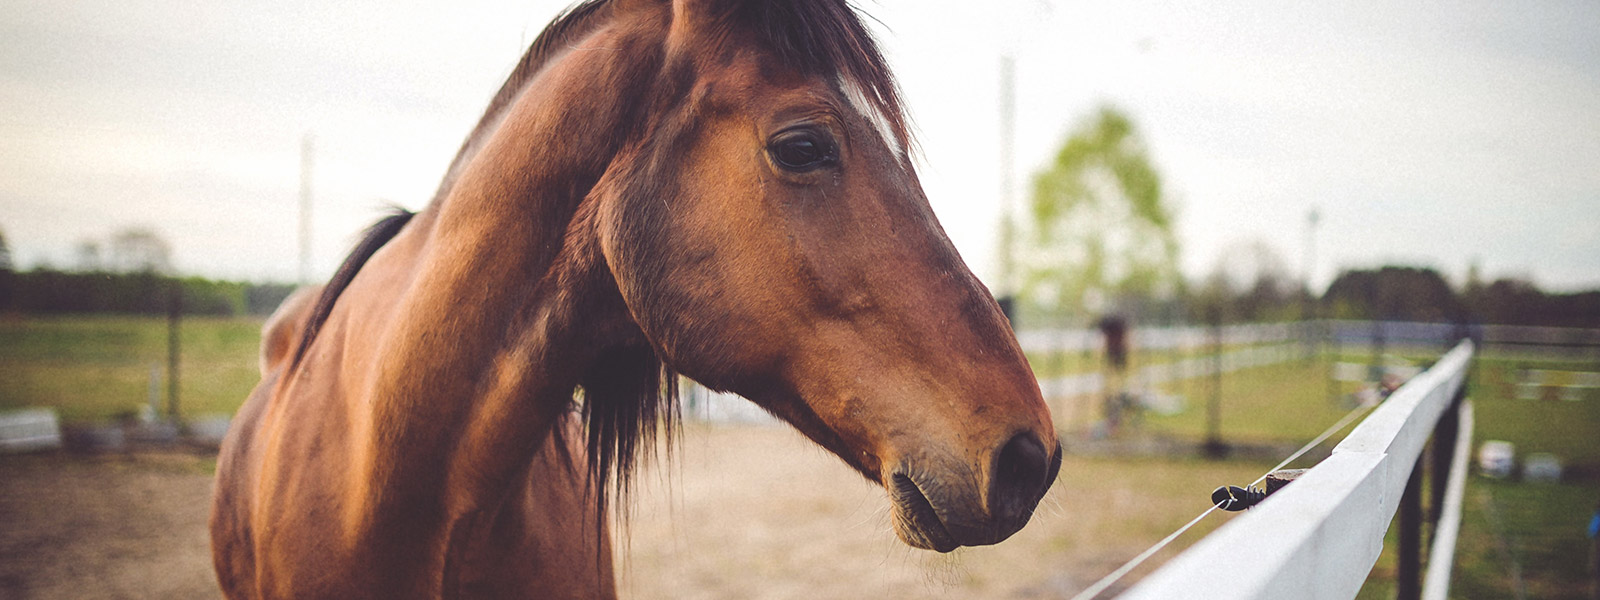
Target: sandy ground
{"x":105,"y":527}
{"x":740,"y":512}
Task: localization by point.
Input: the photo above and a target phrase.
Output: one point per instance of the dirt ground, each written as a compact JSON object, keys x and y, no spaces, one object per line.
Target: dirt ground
{"x":105,"y":527}
{"x":740,"y":512}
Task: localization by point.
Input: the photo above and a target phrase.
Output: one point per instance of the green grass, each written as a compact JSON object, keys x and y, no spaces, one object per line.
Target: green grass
{"x":1569,"y":429}
{"x":1538,"y":526}
{"x":98,"y":368}
{"x":1277,"y":403}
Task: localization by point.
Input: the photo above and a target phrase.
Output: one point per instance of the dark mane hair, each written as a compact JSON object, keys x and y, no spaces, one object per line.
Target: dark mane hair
{"x":575,"y":22}
{"x":629,"y":395}
{"x":374,"y":238}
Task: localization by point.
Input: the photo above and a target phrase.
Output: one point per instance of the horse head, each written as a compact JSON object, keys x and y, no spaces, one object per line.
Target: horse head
{"x":768,"y":235}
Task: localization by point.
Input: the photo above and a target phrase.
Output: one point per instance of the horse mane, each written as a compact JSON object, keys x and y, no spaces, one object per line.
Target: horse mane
{"x":575,"y":22}
{"x":374,"y":238}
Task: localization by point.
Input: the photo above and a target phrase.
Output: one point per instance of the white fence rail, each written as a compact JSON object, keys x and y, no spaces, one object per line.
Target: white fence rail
{"x":1347,"y":333}
{"x":1318,"y":537}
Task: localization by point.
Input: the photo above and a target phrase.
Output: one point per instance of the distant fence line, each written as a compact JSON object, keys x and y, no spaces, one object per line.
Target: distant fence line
{"x":1341,"y":332}
{"x":1246,"y":345}
{"x":1082,"y":384}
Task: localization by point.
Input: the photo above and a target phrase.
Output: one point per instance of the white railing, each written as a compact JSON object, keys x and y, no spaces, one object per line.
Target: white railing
{"x":1159,"y":338}
{"x":1319,"y":536}
{"x":1358,"y":333}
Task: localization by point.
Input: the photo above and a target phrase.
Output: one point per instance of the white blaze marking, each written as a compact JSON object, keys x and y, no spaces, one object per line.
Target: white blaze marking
{"x":880,"y":122}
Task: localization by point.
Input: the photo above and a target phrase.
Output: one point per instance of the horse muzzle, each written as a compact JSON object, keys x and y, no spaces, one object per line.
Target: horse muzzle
{"x":942,"y":509}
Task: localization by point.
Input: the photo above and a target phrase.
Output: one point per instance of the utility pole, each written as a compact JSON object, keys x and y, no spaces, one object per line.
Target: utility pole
{"x":1005,"y":288}
{"x":306,"y":146}
{"x":1214,"y":447}
{"x":174,"y":347}
{"x":1308,"y":305}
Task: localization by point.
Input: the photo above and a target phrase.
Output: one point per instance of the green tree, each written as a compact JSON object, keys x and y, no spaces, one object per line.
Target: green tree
{"x":1100,"y":229}
{"x":7,"y":275}
{"x":1395,"y":293}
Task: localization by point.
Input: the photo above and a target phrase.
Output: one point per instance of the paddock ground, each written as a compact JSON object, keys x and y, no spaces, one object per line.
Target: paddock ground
{"x":739,"y":512}
{"x":758,"y":512}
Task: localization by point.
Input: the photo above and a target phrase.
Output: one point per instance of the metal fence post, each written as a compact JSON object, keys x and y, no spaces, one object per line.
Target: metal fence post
{"x":1214,"y":447}
{"x":1408,"y":579}
{"x":174,"y":321}
{"x":1443,"y":445}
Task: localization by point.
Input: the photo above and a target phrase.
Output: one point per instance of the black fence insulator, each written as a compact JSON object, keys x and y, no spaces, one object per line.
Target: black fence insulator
{"x":1233,"y":498}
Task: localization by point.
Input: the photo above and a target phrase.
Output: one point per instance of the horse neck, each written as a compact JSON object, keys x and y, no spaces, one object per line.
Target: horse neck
{"x":483,"y":350}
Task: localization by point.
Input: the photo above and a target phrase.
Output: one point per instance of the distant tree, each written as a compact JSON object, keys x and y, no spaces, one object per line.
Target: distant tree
{"x":1509,"y":301}
{"x":5,"y":254}
{"x":263,"y":298}
{"x":1251,"y":281}
{"x":8,"y":277}
{"x":1100,"y":227}
{"x":140,"y":250}
{"x":1580,"y":309}
{"x":88,"y":256}
{"x":1394,"y":293}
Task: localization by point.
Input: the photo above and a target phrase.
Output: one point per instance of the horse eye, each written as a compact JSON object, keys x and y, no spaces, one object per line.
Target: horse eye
{"x":801,"y":151}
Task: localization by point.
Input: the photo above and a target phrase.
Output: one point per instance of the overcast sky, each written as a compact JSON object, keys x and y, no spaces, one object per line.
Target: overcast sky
{"x":1429,"y":134}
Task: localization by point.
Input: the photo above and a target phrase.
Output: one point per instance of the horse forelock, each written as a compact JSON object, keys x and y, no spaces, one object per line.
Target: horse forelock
{"x":827,"y":38}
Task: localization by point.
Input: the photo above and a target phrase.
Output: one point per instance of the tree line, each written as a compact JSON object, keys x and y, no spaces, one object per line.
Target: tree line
{"x":1421,"y":294}
{"x":1388,"y":293}
{"x":48,"y":291}
{"x":128,"y":274}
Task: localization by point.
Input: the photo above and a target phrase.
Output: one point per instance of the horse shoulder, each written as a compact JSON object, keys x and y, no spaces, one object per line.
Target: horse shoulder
{"x":233,"y":497}
{"x":281,"y":333}
{"x":238,"y":461}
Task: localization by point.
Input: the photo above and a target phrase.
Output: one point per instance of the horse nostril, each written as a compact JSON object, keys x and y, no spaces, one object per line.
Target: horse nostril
{"x":1020,"y":472}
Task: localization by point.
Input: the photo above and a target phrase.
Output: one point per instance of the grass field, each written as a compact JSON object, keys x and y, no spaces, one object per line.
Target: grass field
{"x":1534,"y":530}
{"x":98,"y":368}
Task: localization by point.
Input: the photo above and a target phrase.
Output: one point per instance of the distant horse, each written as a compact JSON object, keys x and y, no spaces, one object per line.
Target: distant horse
{"x":718,"y":188}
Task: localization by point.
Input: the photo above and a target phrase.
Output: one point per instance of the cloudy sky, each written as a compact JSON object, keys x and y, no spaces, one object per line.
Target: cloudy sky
{"x":1432,"y":134}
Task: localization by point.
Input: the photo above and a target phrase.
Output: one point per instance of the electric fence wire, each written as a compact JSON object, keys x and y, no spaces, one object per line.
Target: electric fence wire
{"x":1110,"y":579}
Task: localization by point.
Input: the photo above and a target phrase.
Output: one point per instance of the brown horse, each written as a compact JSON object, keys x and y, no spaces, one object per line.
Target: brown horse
{"x":718,"y":188}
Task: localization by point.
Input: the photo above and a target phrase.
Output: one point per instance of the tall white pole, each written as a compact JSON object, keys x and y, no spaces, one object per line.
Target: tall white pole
{"x":1310,"y":269}
{"x":306,"y":146}
{"x":1006,"y":285}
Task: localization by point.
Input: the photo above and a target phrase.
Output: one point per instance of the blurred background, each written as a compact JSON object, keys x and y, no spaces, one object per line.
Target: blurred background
{"x":1217,"y":229}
